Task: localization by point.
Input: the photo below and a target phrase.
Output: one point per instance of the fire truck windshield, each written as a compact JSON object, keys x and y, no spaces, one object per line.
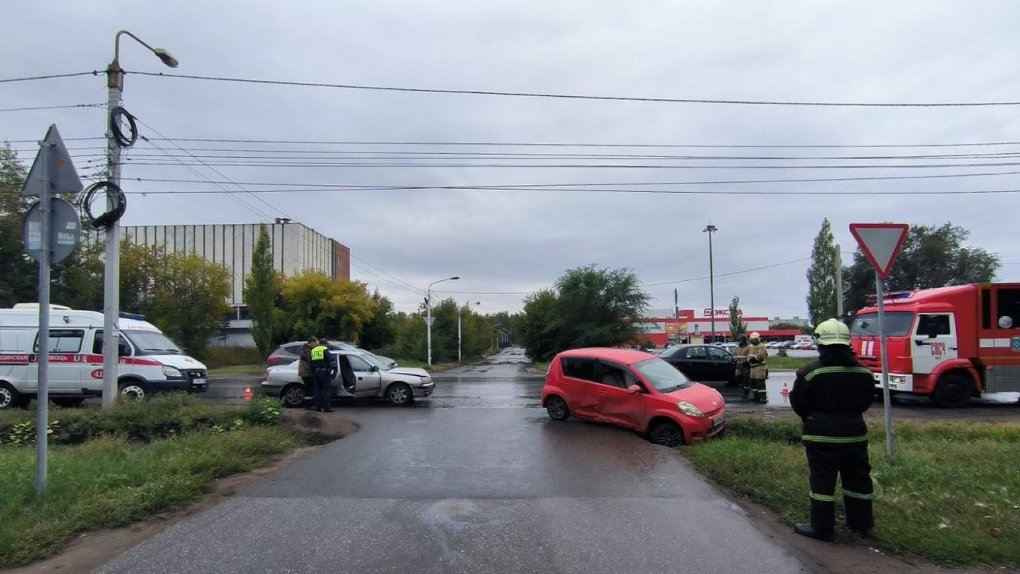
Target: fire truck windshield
{"x":895,"y":324}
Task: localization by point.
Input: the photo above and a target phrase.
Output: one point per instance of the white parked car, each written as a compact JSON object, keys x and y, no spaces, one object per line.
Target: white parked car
{"x":399,"y":385}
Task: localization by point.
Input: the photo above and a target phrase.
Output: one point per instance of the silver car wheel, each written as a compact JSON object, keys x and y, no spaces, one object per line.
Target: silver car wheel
{"x":293,"y":395}
{"x":399,"y":394}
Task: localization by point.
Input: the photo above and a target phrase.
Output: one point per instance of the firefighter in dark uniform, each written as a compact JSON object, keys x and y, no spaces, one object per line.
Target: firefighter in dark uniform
{"x":757,"y":355}
{"x":743,"y":369}
{"x":830,"y":396}
{"x":324,"y":369}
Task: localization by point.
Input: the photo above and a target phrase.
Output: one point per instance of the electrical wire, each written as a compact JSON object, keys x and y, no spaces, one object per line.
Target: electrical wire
{"x":592,"y":184}
{"x":49,"y":77}
{"x":52,"y":107}
{"x":575,"y":96}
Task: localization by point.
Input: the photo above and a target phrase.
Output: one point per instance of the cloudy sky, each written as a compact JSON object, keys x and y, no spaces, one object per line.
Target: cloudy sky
{"x":508,"y":192}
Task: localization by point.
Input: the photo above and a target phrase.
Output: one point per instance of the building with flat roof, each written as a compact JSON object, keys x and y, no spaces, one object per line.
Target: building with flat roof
{"x":670,"y":326}
{"x":296,"y":248}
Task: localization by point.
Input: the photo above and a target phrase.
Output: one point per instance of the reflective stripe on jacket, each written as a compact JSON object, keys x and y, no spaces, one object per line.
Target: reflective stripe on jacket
{"x":830,"y":395}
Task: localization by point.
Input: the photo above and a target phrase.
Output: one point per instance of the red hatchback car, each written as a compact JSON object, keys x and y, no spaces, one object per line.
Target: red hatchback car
{"x":635,"y":390}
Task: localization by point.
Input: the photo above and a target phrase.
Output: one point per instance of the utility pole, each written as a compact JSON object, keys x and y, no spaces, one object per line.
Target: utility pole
{"x":710,"y":229}
{"x":428,"y":317}
{"x":111,"y":269}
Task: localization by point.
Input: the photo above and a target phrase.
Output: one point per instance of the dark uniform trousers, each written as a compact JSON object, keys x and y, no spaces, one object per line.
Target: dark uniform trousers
{"x":850,"y":461}
{"x":323,"y":386}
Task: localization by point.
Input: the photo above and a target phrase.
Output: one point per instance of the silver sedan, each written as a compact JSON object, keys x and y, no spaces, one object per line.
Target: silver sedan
{"x":373,"y":378}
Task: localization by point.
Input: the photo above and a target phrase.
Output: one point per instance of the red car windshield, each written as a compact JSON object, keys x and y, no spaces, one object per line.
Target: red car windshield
{"x":663,"y":376}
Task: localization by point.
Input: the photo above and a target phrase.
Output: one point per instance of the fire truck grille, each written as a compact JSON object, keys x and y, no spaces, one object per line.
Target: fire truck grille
{"x":1002,"y":379}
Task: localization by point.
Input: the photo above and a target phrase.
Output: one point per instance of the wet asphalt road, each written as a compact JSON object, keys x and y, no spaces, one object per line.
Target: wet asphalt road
{"x":477,"y":479}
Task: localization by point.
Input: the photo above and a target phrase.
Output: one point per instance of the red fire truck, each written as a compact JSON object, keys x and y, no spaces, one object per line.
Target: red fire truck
{"x":949,"y":343}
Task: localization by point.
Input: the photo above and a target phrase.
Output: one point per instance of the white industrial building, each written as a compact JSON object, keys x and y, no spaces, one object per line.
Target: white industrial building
{"x":295,"y":247}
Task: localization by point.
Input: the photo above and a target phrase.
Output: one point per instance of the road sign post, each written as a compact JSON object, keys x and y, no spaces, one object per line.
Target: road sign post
{"x":48,"y":239}
{"x":881,"y":243}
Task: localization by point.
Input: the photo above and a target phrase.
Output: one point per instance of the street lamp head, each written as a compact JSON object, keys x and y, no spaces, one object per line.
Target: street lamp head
{"x":167,"y":57}
{"x":454,"y":278}
{"x":710,"y":228}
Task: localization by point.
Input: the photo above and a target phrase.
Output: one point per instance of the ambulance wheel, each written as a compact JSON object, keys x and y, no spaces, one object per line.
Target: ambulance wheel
{"x":293,"y":395}
{"x":132,"y":391}
{"x":10,"y":398}
{"x":952,"y":392}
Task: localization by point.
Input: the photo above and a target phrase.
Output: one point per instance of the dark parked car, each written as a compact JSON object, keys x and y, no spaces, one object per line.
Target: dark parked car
{"x":702,"y":362}
{"x":287,"y":353}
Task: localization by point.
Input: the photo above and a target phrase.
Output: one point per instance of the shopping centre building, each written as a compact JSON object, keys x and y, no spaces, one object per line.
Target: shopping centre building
{"x":668,"y":326}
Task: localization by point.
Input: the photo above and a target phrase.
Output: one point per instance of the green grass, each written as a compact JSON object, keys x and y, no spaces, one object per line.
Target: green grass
{"x":788,"y":363}
{"x":248,"y":369}
{"x":112,"y":481}
{"x":952,"y":495}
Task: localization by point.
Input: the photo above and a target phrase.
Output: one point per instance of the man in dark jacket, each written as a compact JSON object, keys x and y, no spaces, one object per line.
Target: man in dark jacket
{"x":830,"y":396}
{"x":305,"y":368}
{"x":324,"y":368}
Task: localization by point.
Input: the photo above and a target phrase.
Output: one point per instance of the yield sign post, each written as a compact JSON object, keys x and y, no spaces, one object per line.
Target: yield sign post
{"x":52,"y":173}
{"x":881,"y":243}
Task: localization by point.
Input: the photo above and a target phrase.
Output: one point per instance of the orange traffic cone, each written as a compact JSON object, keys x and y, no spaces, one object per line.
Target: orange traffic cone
{"x":247,"y":393}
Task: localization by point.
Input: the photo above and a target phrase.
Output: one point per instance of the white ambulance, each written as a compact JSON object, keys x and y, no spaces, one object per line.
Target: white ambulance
{"x":149,"y":362}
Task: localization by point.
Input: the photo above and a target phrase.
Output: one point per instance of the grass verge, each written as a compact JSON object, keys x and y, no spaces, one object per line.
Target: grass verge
{"x":111,"y":480}
{"x":246,"y":369}
{"x":789,"y":363}
{"x":952,"y":496}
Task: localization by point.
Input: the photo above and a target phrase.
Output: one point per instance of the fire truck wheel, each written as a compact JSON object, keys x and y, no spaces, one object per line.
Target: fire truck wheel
{"x":952,"y":392}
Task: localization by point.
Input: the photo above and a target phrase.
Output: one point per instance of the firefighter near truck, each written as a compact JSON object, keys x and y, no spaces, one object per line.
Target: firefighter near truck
{"x":949,"y":343}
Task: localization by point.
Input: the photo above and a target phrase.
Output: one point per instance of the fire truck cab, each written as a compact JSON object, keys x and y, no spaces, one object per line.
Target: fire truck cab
{"x":949,"y":343}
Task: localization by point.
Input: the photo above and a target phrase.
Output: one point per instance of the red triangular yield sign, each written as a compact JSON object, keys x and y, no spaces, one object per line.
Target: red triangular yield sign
{"x":881,"y":243}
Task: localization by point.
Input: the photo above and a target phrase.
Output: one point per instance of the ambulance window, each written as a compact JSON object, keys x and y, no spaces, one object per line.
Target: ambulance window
{"x":932,"y":325}
{"x":63,"y":340}
{"x":124,"y":349}
{"x":1008,"y":308}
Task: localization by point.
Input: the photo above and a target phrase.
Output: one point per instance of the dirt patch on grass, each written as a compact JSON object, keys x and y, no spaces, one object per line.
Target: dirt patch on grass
{"x":90,"y":550}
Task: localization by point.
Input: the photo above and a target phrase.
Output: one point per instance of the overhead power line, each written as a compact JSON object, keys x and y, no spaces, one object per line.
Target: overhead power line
{"x":577,"y":96}
{"x":339,"y":186}
{"x":551,"y":144}
{"x":49,"y":77}
{"x":52,"y":107}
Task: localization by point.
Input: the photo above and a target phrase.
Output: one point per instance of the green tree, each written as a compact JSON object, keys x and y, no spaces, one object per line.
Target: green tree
{"x":18,"y":272}
{"x":538,"y":327}
{"x":931,"y":257}
{"x":737,"y":325}
{"x":141,"y":269}
{"x":821,"y":276}
{"x":261,"y":293}
{"x":189,"y":301}
{"x":380,"y":330}
{"x":320,"y":306}
{"x":589,"y":307}
{"x":78,"y":280}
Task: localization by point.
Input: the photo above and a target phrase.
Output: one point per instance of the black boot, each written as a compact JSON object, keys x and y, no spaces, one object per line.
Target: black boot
{"x":805,"y":529}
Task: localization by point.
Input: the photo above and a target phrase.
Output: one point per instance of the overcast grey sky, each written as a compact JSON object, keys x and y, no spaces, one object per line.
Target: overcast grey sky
{"x":506,"y":243}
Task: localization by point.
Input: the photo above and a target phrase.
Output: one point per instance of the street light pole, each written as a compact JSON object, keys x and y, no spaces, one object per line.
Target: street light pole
{"x":459,"y":335}
{"x":428,"y":311}
{"x":111,"y":268}
{"x":710,"y":229}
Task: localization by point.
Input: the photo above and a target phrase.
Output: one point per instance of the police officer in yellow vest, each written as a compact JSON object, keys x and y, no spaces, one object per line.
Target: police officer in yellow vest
{"x":757,"y":354}
{"x":324,"y":369}
{"x":830,"y":396}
